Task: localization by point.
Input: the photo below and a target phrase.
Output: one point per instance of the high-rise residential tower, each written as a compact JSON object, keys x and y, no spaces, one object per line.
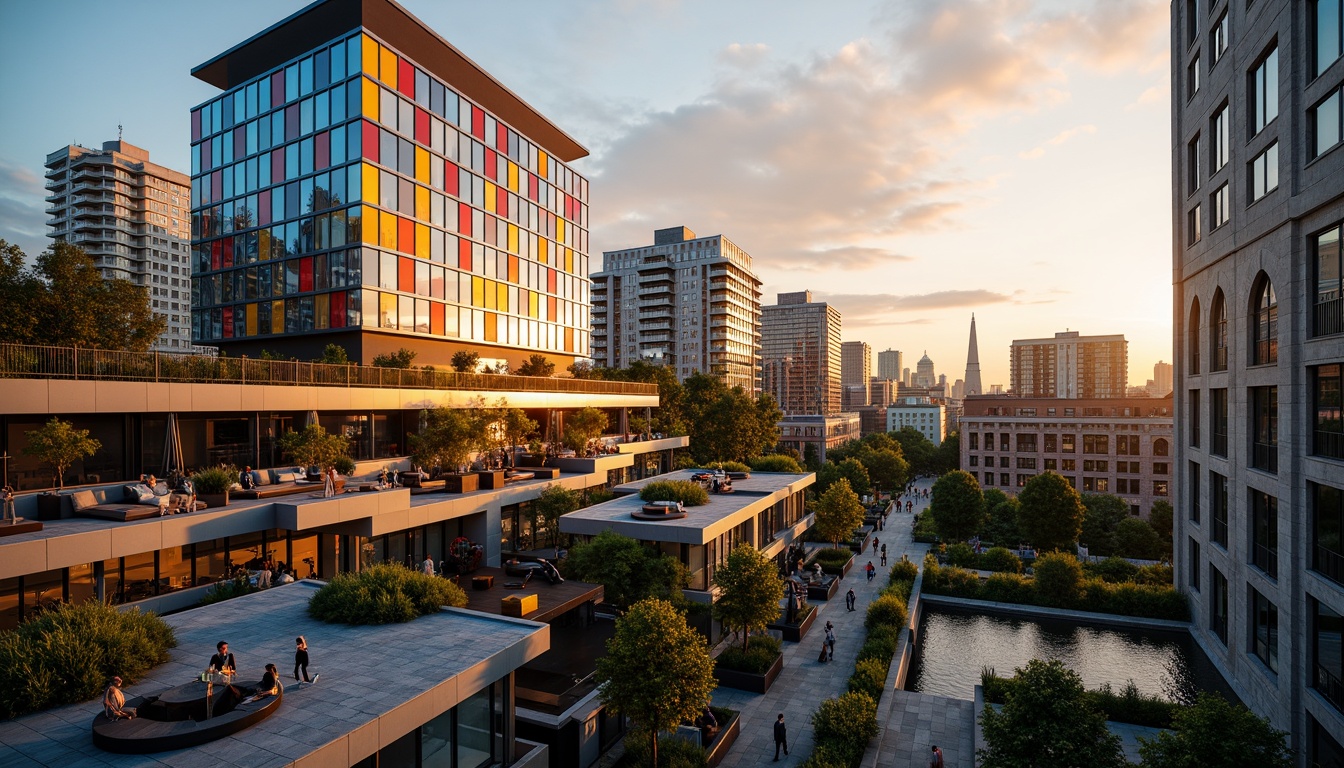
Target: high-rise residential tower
{"x":800,"y":354}
{"x":687,"y":302}
{"x":361,"y":181}
{"x":856,"y":367}
{"x":1258,"y":217}
{"x":1162,"y":378}
{"x":889,"y":364}
{"x":131,"y":217}
{"x":971,"y":384}
{"x":1070,"y":366}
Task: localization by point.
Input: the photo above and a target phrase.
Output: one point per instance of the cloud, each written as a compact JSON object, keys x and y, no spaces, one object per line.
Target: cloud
{"x":22,"y":208}
{"x":1158,"y":94}
{"x":1056,"y":140}
{"x":877,"y":309}
{"x":826,"y":162}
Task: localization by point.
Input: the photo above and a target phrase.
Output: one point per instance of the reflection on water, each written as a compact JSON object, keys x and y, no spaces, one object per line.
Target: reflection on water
{"x":954,"y":646}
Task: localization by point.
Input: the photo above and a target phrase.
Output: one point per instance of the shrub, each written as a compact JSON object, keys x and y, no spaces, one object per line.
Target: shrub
{"x":899,"y":589}
{"x":887,"y":609}
{"x":761,"y":652}
{"x":846,"y":724}
{"x":1009,"y":588}
{"x":777,"y":462}
{"x":688,"y":493}
{"x":959,"y":582}
{"x":1000,"y":560}
{"x":832,"y":560}
{"x":904,"y":570}
{"x":925,"y":532}
{"x":831,"y":755}
{"x":1157,"y":574}
{"x":227,"y":590}
{"x":870,"y":677}
{"x":1059,"y":579}
{"x":344,"y":465}
{"x":215,"y":479}
{"x":1149,"y":601}
{"x":385,"y":593}
{"x":880,"y":645}
{"x":961,"y":555}
{"x":67,"y":654}
{"x":730,"y":466}
{"x":1128,"y":706}
{"x":1113,"y":569}
{"x":672,"y":753}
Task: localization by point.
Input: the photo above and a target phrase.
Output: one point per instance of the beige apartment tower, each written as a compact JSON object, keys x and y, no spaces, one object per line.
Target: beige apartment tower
{"x":889,"y":362}
{"x":800,"y":354}
{"x":131,"y":217}
{"x":1070,"y":366}
{"x":856,"y":368}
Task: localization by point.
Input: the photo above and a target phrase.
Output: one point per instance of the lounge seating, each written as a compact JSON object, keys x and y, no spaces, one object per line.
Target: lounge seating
{"x":272,"y":483}
{"x":148,"y":733}
{"x":87,"y":503}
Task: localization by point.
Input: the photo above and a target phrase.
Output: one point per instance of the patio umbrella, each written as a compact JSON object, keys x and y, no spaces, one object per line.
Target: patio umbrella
{"x":310,"y":420}
{"x":172,"y":448}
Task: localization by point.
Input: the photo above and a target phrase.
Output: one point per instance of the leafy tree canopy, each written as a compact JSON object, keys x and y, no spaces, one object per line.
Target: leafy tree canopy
{"x":402,"y":358}
{"x":553,"y":503}
{"x":1051,"y":512}
{"x":838,"y":512}
{"x":314,"y":446}
{"x":627,"y":570}
{"x":1136,"y":538}
{"x":1047,"y":720}
{"x":750,"y":591}
{"x":1103,"y":512}
{"x":1215,"y":732}
{"x":582,"y":427}
{"x":851,"y":470}
{"x":536,"y":365}
{"x":334,"y":354}
{"x":958,"y":507}
{"x":448,"y":439}
{"x":59,"y":444}
{"x":465,"y":361}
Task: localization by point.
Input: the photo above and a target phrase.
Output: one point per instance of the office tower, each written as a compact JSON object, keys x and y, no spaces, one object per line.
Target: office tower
{"x":881,"y":391}
{"x":856,"y":368}
{"x":921,"y":413}
{"x":1258,"y":215}
{"x":889,"y":364}
{"x":958,"y":389}
{"x":130,"y":216}
{"x":905,"y":377}
{"x":800,"y":354}
{"x":972,"y":382}
{"x":1069,"y":366}
{"x":691,"y":303}
{"x":1162,"y":378}
{"x":924,"y":375}
{"x":362,"y":182}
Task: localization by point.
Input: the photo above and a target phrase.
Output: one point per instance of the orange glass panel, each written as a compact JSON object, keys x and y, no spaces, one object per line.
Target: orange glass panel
{"x":513,"y":242}
{"x":491,"y":295}
{"x":406,"y":275}
{"x":405,"y":235}
{"x":541,"y":164}
{"x":370,"y":172}
{"x":370,"y":98}
{"x":513,"y":176}
{"x":569,"y":260}
{"x":387,"y":231}
{"x":532,"y":297}
{"x":369,"y":232}
{"x":422,"y":165}
{"x":489,"y":197}
{"x":513,"y":269}
{"x":387,"y":66}
{"x":502,"y":302}
{"x":477,"y":291}
{"x":569,"y":339}
{"x":251,"y":319}
{"x":541,"y":249}
{"x":277,"y":317}
{"x":436,"y":318}
{"x":369,"y":49}
{"x":491,"y":330}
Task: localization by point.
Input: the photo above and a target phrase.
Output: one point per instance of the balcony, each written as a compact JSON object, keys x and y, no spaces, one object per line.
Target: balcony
{"x":1328,"y":563}
{"x":1329,"y":686}
{"x":1263,"y":456}
{"x":1328,"y":443}
{"x":1328,"y":317}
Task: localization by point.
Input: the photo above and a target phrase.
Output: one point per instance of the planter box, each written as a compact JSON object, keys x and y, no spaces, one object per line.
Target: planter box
{"x":842,"y":571}
{"x":214,"y":500}
{"x":531,"y":460}
{"x":460,"y":483}
{"x":746,"y":681}
{"x":794,"y":633}
{"x":717,"y":749}
{"x":817,"y":593}
{"x":49,"y":506}
{"x":491,"y":480}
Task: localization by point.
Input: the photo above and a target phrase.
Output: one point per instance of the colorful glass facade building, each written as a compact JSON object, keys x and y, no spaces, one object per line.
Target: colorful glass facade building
{"x":363,"y":182}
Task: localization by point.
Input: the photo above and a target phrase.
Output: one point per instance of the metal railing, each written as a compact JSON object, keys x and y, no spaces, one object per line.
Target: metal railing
{"x":1265,"y":456}
{"x":20,"y":361}
{"x":1328,"y":317}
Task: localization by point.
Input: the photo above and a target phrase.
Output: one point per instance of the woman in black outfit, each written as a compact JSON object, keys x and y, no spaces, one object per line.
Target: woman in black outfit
{"x":301,"y":660}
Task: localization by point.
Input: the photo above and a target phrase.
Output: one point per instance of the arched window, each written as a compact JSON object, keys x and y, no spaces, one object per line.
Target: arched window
{"x":1160,"y":447}
{"x":1192,"y":336}
{"x":1265,"y":324}
{"x":1218,"y":333}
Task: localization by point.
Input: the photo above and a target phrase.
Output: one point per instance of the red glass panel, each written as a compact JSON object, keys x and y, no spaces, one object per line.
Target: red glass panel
{"x":322,"y":151}
{"x":405,"y":78}
{"x":227,"y":259}
{"x":216,"y":254}
{"x":532,"y":183}
{"x":278,"y":88}
{"x":370,"y":141}
{"x":406,"y":236}
{"x":502,"y":201}
{"x":405,"y":274}
{"x":228,"y":322}
{"x":450,"y":178}
{"x":464,"y":219}
{"x":337,"y":313}
{"x":436,"y":318}
{"x":490,"y":163}
{"x":464,"y":255}
{"x":502,"y":138}
{"x":277,"y":165}
{"x":306,"y":273}
{"x":422,"y":126}
{"x":477,"y":123}
{"x":264,"y":207}
{"x":550,"y":280}
{"x":195,"y":125}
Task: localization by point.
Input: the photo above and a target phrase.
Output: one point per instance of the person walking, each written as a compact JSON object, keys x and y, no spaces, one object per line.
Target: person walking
{"x":870,"y":569}
{"x":936,"y":760}
{"x":830,"y":642}
{"x":875,"y":543}
{"x":301,"y":660}
{"x":884,"y":555}
{"x":850,"y":599}
{"x":781,"y":737}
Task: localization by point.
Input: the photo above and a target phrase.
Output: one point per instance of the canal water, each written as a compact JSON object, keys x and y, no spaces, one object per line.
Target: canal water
{"x":954,"y":645}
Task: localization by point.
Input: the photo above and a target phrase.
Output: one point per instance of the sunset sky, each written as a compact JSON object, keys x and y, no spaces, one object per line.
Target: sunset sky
{"x":910,"y":162}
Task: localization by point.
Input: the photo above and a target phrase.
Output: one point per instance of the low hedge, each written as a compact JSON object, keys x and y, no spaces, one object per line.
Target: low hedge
{"x":777,"y":462}
{"x":69,"y":653}
{"x":672,"y":753}
{"x":881,"y":643}
{"x":227,"y":590}
{"x":903,"y":570}
{"x":1127,"y":706}
{"x":832,"y":558}
{"x":386,"y":593}
{"x":888,"y":610}
{"x":870,"y":677}
{"x":843,"y":727}
{"x":689,"y":493}
{"x":760,"y":653}
{"x":1000,"y":560}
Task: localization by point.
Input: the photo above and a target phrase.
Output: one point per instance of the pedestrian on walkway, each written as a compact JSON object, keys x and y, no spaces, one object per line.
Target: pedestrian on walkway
{"x":781,"y":736}
{"x":884,"y":555}
{"x":830,"y":641}
{"x":871,"y":569}
{"x":937,"y":760}
{"x":875,"y":543}
{"x":850,"y":599}
{"x":825,"y":651}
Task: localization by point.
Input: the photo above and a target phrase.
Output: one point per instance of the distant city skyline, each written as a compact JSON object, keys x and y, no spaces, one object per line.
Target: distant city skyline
{"x":859,"y":152}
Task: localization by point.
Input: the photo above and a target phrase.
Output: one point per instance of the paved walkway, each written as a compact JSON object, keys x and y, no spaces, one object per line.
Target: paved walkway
{"x":805,"y":682}
{"x":918,"y":721}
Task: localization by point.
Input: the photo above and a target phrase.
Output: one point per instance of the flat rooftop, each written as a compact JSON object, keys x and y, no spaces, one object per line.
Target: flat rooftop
{"x":701,"y":524}
{"x":377,"y":683}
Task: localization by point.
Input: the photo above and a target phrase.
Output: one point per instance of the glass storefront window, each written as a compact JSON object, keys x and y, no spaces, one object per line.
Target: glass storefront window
{"x":304,"y":555}
{"x":211,"y":561}
{"x":9,"y":603}
{"x":247,"y":551}
{"x":175,"y":569}
{"x":436,"y":742}
{"x":140,"y":579}
{"x":82,"y":588}
{"x":475,"y":735}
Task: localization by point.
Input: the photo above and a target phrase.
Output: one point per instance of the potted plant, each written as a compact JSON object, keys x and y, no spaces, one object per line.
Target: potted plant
{"x":59,"y":444}
{"x":212,"y":485}
{"x":314,"y":447}
{"x":446,"y":442}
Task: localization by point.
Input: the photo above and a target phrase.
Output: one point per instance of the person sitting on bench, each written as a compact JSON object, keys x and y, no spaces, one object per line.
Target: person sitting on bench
{"x":114,"y":702}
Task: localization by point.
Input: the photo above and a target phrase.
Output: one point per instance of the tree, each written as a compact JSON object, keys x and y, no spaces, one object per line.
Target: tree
{"x":59,"y":444}
{"x":1102,"y":513}
{"x":849,"y":469}
{"x":334,"y":354}
{"x":1136,"y":538}
{"x":515,"y":426}
{"x":64,"y":300}
{"x":1047,"y":720}
{"x":536,"y":365}
{"x":1051,"y":512}
{"x":1059,"y":579}
{"x":313,"y":447}
{"x":554,"y":503}
{"x":465,"y":361}
{"x":947,"y":456}
{"x":449,"y":437}
{"x":750,"y":591}
{"x":1215,"y":732}
{"x":403,"y":358}
{"x":1001,"y":526}
{"x":728,"y":424}
{"x":582,"y":427}
{"x":958,"y":506}
{"x":656,"y":696}
{"x":1160,"y":517}
{"x":838,"y":512}
{"x":917,"y":450}
{"x":887,"y":468}
{"x":776,"y":462}
{"x":627,"y":570}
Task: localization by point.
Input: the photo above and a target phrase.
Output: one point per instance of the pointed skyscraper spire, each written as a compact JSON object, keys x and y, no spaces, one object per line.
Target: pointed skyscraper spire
{"x":973,"y":386}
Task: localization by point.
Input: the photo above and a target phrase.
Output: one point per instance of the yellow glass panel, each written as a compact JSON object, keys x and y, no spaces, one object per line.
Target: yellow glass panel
{"x":387,"y":310}
{"x":532,"y":303}
{"x":370,"y":191}
{"x":277,"y":317}
{"x":477,"y":291}
{"x":490,"y":295}
{"x":387,"y":231}
{"x":569,"y":260}
{"x":321,"y":310}
{"x":422,"y":203}
{"x":251,"y":319}
{"x":559,"y":232}
{"x":491,"y":327}
{"x":513,"y":176}
{"x":370,"y":228}
{"x":369,"y":49}
{"x":489,"y":197}
{"x":541,"y":163}
{"x":513,"y":238}
{"x":502,"y":303}
{"x":387,"y":66}
{"x":422,"y":165}
{"x":370,"y":98}
{"x":422,"y":240}
{"x":541,"y":250}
